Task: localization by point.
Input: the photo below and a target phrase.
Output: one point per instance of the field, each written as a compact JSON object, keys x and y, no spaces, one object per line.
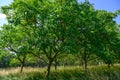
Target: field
{"x":99,"y":72}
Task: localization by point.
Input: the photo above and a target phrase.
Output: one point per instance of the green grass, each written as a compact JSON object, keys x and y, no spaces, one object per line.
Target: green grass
{"x":62,"y":73}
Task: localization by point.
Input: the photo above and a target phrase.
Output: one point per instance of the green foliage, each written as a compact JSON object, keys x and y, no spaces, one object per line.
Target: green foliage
{"x":14,"y":62}
{"x":49,"y":29}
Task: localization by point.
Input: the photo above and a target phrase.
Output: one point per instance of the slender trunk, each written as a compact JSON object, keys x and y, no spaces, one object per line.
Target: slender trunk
{"x":55,"y":64}
{"x":22,"y":65}
{"x":109,"y":77}
{"x":22,"y":61}
{"x":85,"y":63}
{"x":82,"y":63}
{"x":48,"y":69}
{"x":108,"y":66}
{"x":85,"y":60}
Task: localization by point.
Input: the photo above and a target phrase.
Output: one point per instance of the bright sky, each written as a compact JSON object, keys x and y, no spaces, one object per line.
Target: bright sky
{"x":2,"y":16}
{"x":109,"y":5}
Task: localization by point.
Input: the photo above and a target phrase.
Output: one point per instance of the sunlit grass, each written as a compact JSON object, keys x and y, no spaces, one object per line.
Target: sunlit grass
{"x":8,"y":71}
{"x":97,"y":72}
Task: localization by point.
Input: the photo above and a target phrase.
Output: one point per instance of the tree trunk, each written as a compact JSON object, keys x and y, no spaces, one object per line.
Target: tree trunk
{"x":85,"y":59}
{"x":108,"y":66}
{"x":22,"y":65}
{"x":55,"y":64}
{"x":48,"y":69}
{"x":109,"y":77}
{"x":85,"y":63}
{"x":22,"y":61}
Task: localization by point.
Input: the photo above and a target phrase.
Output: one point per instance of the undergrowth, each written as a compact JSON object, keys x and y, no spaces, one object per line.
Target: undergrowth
{"x":67,"y":73}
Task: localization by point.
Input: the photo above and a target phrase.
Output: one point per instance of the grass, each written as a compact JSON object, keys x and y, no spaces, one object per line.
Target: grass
{"x":62,"y":73}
